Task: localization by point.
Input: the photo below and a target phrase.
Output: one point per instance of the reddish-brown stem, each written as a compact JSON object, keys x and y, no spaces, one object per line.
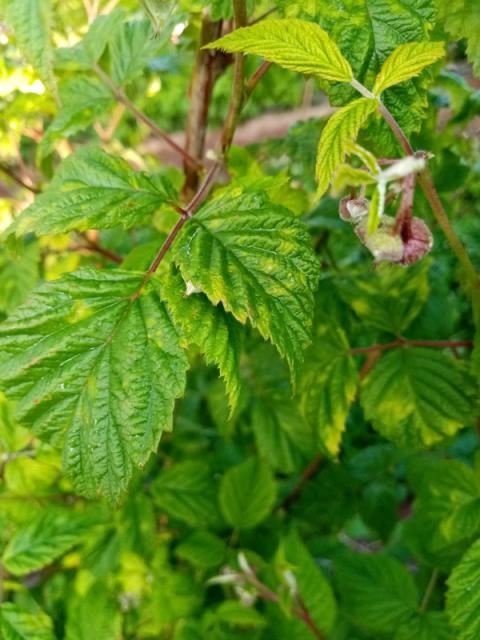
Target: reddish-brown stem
{"x":16,"y":178}
{"x":308,"y":473}
{"x":405,"y":342}
{"x":91,"y":245}
{"x":256,"y":77}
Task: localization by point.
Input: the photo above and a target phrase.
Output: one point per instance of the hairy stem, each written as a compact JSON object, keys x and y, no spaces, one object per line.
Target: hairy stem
{"x":122,"y":97}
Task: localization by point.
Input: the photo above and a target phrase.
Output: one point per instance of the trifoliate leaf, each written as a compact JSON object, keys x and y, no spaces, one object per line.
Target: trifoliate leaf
{"x":17,"y":624}
{"x":247,"y":494}
{"x":328,"y":385}
{"x":416,"y":397}
{"x":92,"y":189}
{"x":297,"y":45}
{"x":97,"y":368}
{"x":406,"y":62}
{"x":461,"y":19}
{"x":341,"y":130}
{"x":256,"y":259}
{"x":377,"y":591}
{"x":47,"y":537}
{"x":463,"y":596}
{"x":30,"y":20}
{"x":210,"y":327}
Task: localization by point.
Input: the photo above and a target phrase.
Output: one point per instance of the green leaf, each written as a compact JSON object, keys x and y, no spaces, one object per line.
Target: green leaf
{"x":95,"y":611}
{"x":341,"y":130}
{"x":97,"y":367}
{"x":18,"y":275}
{"x":349,"y":176}
{"x":328,"y":385}
{"x":131,"y":47}
{"x":83,"y":99}
{"x":377,"y":207}
{"x":313,"y":587}
{"x":92,"y":189}
{"x":202,"y":549}
{"x":211,"y":328}
{"x":417,"y":397}
{"x":234,"y":613}
{"x":30,"y":20}
{"x":17,"y":624}
{"x":27,"y":477}
{"x":247,"y":494}
{"x":461,"y":19}
{"x":463,"y":596}
{"x":432,"y":625}
{"x":47,"y":537}
{"x":406,"y":62}
{"x":256,"y":259}
{"x":377,"y":591}
{"x":294,"y":44}
{"x":186,"y":492}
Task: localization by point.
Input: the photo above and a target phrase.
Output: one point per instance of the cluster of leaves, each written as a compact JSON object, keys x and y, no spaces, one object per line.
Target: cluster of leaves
{"x":326,"y":481}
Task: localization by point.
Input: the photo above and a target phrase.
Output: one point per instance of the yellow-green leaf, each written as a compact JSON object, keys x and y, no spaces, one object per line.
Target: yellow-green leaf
{"x":406,"y":62}
{"x":341,"y":130}
{"x":297,"y":45}
{"x":350,"y":176}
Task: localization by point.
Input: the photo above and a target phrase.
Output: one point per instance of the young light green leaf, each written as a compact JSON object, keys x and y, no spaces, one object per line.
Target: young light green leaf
{"x":368,"y":159}
{"x":131,"y":47}
{"x":98,"y":368}
{"x":349,"y":176}
{"x":18,"y":624}
{"x":247,"y":494}
{"x":30,"y":20}
{"x":187,"y":492}
{"x":256,"y":259}
{"x":92,"y":189}
{"x":97,"y":610}
{"x":417,"y":397}
{"x":463,"y":596}
{"x":341,"y":130}
{"x":211,"y":328}
{"x":377,"y":207}
{"x":47,"y":537}
{"x":328,"y":385}
{"x":297,"y":45}
{"x":407,"y":61}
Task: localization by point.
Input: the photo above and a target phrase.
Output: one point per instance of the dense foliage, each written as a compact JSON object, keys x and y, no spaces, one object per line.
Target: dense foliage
{"x":239,"y":379}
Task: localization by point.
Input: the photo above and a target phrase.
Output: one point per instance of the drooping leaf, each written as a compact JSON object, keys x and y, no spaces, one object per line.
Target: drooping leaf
{"x":341,"y":130}
{"x":187,"y":493}
{"x":406,"y":62}
{"x":377,"y":591}
{"x":328,"y":384}
{"x":417,"y":397}
{"x":92,"y":189}
{"x":211,"y":328}
{"x":96,"y":367}
{"x":463,"y":596}
{"x":97,"y":611}
{"x":256,"y":259}
{"x":297,"y":45}
{"x":47,"y":537}
{"x":131,"y":47}
{"x":247,"y":494}
{"x":313,"y":587}
{"x":461,"y":19}
{"x":18,"y":624}
{"x":30,"y":20}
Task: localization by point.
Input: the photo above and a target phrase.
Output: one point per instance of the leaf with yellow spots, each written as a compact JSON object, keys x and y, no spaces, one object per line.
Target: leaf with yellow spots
{"x":97,"y":369}
{"x":256,"y":259}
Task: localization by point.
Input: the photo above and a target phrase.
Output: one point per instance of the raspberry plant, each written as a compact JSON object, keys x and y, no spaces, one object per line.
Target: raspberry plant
{"x":239,"y":375}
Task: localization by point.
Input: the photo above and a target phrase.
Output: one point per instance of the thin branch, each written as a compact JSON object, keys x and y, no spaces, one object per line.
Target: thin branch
{"x":405,"y":342}
{"x":16,"y":178}
{"x":264,"y":15}
{"x":92,"y":245}
{"x":429,"y":591}
{"x":256,"y":77}
{"x":308,"y":473}
{"x":122,"y":97}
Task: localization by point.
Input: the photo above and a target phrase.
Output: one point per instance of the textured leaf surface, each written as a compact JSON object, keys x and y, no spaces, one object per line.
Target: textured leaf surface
{"x":294,"y":44}
{"x":97,"y":369}
{"x":378,"y":592}
{"x":202,"y":549}
{"x":463,"y":596}
{"x":44,"y":539}
{"x":95,"y":611}
{"x":328,"y":385}
{"x":406,"y":62}
{"x":461,"y":19}
{"x":247,"y":494}
{"x":18,"y":275}
{"x":432,"y":625}
{"x":256,"y":259}
{"x":131,"y":48}
{"x":341,"y":130}
{"x":17,"y":624}
{"x":187,"y":493}
{"x":417,"y":397}
{"x":211,"y":328}
{"x":30,"y":20}
{"x":92,"y":189}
